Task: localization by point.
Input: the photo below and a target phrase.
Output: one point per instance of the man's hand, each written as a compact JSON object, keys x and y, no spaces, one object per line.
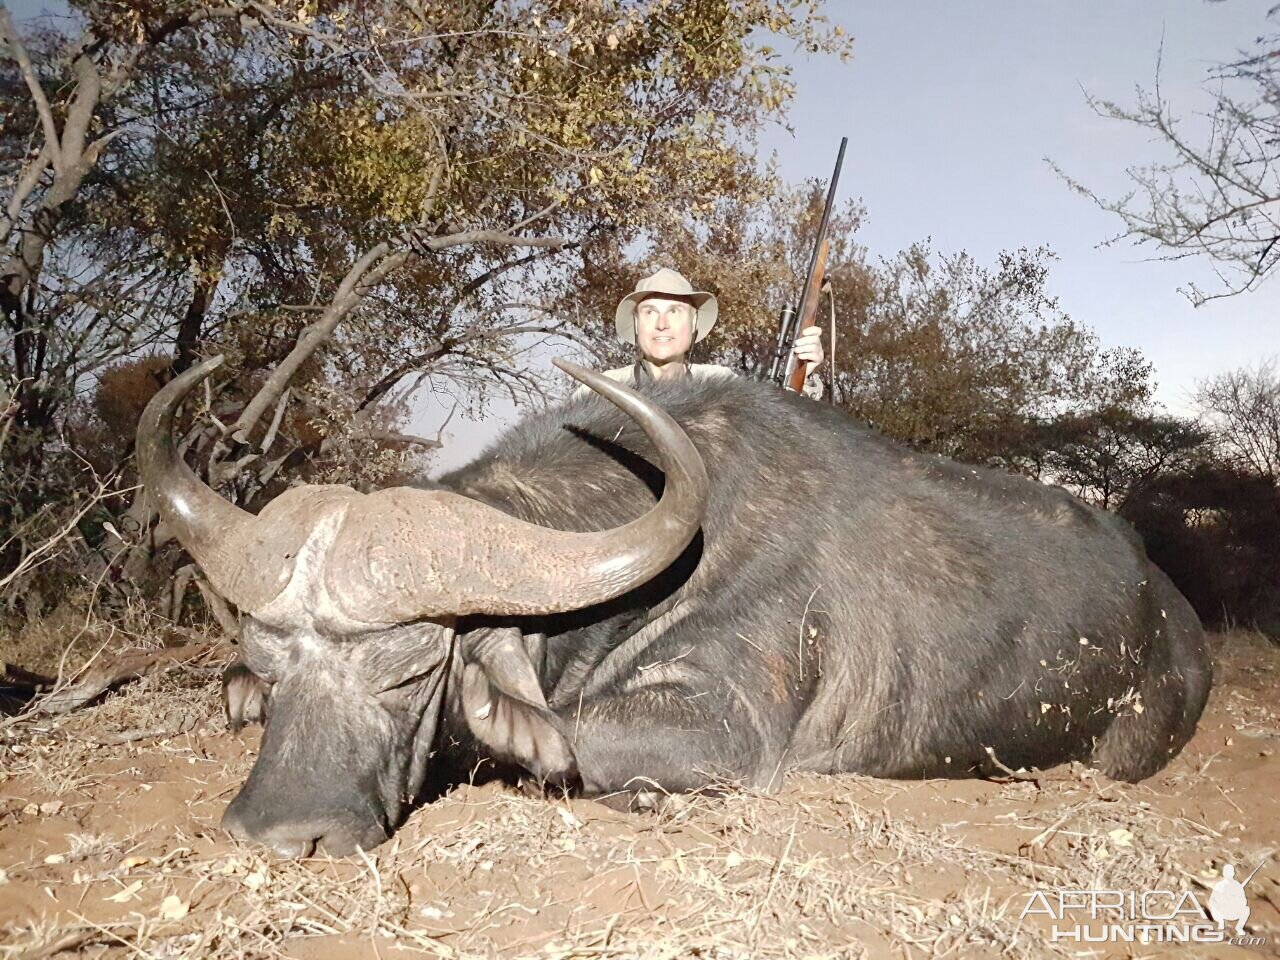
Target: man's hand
{"x":809,"y":347}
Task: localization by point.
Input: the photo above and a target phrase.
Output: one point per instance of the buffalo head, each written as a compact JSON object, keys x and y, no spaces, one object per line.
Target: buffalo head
{"x":350,"y":602}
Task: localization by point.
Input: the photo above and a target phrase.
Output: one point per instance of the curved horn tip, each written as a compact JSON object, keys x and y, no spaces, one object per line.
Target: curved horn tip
{"x":184,"y":382}
{"x":205,"y":367}
{"x":578,"y":373}
{"x":213,"y":363}
{"x":172,"y":393}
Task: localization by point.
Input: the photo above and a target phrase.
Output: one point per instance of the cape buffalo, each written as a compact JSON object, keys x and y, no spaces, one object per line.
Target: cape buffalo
{"x":609,"y":600}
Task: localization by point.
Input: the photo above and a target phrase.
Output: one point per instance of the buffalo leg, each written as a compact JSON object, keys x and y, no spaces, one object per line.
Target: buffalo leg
{"x":669,"y":738}
{"x":1171,"y":694}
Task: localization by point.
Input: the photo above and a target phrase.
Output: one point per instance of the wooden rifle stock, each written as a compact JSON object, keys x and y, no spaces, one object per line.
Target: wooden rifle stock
{"x":807,"y":315}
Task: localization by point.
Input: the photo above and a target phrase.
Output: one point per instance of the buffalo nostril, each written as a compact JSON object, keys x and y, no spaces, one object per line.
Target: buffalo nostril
{"x":345,"y":842}
{"x":232,"y":824}
{"x":336,"y":833}
{"x":291,"y":841}
{"x":292,"y":848}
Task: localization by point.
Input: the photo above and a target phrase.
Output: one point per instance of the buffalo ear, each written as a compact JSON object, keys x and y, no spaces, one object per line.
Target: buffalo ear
{"x":507,"y":711}
{"x":245,"y":696}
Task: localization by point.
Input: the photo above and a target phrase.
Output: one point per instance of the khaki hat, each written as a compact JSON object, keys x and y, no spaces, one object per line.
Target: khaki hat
{"x":671,"y":284}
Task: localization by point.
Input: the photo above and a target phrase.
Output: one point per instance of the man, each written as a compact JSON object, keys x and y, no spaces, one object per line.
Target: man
{"x":664,"y":316}
{"x":1227,"y":902}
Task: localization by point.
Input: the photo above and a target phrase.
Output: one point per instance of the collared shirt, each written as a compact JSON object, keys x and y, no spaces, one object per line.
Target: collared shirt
{"x":634,"y":373}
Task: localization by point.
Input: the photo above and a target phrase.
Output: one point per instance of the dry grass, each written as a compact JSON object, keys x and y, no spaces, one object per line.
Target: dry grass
{"x":111,"y":848}
{"x":71,"y":637}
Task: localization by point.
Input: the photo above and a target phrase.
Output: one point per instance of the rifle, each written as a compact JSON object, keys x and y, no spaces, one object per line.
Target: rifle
{"x":1255,"y":870}
{"x":785,"y":369}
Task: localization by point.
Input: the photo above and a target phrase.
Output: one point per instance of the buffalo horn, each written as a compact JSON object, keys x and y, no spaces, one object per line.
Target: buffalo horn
{"x":245,"y":559}
{"x":403,"y":553}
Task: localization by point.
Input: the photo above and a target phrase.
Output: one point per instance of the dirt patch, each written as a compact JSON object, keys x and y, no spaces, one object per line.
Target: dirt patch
{"x":109,"y":846}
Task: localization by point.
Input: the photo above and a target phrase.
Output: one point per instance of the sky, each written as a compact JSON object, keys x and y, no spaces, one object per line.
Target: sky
{"x":953,"y":111}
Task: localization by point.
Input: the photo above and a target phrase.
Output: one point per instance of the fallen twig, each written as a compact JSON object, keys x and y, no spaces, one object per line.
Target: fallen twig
{"x":1020,"y":775}
{"x":12,"y":675}
{"x":80,"y":937}
{"x":101,"y":677}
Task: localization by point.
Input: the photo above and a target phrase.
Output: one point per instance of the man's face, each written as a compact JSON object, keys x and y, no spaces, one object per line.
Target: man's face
{"x":664,"y":328}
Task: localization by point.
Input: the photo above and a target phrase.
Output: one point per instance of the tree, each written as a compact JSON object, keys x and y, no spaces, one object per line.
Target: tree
{"x":956,"y":358}
{"x":348,"y":200}
{"x":1215,"y":531}
{"x":1105,"y":455}
{"x":1217,"y":194}
{"x":1242,"y":408}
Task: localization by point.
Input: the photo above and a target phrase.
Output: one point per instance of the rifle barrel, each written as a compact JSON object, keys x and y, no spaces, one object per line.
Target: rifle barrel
{"x":786,"y":320}
{"x":822,"y":228}
{"x":817,"y":265}
{"x":1255,"y":870}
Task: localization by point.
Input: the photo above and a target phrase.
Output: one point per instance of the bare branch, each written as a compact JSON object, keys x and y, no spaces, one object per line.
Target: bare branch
{"x":227,"y":620}
{"x":9,"y":35}
{"x":270,"y":438}
{"x":499,"y":237}
{"x":395,"y":436}
{"x":28,"y":180}
{"x":43,"y":552}
{"x":367,"y":272}
{"x":1218,"y":195}
{"x":101,"y":677}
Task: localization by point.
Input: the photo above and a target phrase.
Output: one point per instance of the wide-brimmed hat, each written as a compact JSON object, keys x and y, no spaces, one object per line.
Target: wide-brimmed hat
{"x":666,"y":283}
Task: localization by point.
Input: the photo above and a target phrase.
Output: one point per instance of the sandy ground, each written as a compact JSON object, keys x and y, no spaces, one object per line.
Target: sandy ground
{"x":109,"y":846}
